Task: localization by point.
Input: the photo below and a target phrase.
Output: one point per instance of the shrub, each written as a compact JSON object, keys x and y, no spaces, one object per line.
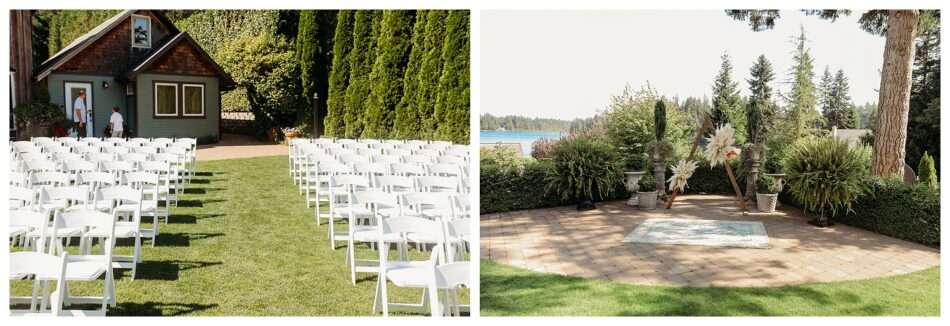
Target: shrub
{"x":506,"y":159}
{"x":583,"y":166}
{"x":926,"y":171}
{"x":502,"y":191}
{"x":543,"y":149}
{"x":891,"y":208}
{"x":647,"y":183}
{"x":825,"y":174}
{"x":766,"y":185}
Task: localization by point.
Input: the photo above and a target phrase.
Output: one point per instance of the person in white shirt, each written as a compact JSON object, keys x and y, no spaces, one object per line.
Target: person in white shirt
{"x":115,"y":121}
{"x":79,"y":114}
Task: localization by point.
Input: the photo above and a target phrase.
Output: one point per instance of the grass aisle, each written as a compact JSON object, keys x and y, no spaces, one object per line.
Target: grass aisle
{"x":241,"y":243}
{"x":509,"y":291}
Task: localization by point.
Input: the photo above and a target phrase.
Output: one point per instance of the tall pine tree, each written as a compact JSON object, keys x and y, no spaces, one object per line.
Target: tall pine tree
{"x":759,"y":109}
{"x":362,"y":56}
{"x":826,"y":96}
{"x":386,"y":79}
{"x":836,"y":102}
{"x":801,"y":114}
{"x":407,"y":125}
{"x":725,"y":93}
{"x":339,"y":74}
{"x":429,"y":73}
{"x":452,"y":102}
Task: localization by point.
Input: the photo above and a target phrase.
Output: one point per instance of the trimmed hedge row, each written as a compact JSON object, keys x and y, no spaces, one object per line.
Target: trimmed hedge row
{"x":508,"y":191}
{"x":893,"y":209}
{"x":889,"y":207}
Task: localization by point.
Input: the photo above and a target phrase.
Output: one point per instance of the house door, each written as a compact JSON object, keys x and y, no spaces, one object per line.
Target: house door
{"x":72,"y":92}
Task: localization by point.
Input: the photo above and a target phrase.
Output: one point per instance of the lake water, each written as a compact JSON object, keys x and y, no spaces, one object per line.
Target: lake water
{"x":525,"y":138}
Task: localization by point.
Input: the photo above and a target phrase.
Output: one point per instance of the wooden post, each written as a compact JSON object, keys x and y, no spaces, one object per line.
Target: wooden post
{"x":735,"y":185}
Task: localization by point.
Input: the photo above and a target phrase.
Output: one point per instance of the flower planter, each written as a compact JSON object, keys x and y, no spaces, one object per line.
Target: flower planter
{"x":766,"y":202}
{"x":290,"y":135}
{"x":647,"y":200}
{"x":633,"y":185}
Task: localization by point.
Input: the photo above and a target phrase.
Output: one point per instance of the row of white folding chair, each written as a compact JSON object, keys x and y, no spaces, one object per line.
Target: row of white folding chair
{"x":125,"y":202}
{"x":49,"y":173}
{"x":405,"y":197}
{"x":97,"y":191}
{"x":87,"y":225}
{"x":384,"y":177}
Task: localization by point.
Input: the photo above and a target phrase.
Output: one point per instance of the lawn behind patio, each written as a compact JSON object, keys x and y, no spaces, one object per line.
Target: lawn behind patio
{"x":241,"y":243}
{"x":510,"y":291}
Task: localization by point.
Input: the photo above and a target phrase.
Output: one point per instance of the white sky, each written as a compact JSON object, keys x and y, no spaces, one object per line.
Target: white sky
{"x":567,"y":64}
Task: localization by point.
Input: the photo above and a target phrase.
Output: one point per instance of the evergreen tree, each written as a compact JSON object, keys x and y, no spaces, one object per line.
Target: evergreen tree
{"x":452,"y":102}
{"x":801,"y":114}
{"x":339,"y":74}
{"x":386,"y":79}
{"x":759,"y":107}
{"x":837,"y":103}
{"x":429,"y":73}
{"x":314,"y":53}
{"x":927,"y":175}
{"x":826,"y":95}
{"x":725,"y":93}
{"x":362,"y":56}
{"x":924,"y":113}
{"x":407,"y":125}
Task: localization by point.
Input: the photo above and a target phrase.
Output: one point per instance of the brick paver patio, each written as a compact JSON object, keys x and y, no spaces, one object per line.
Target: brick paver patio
{"x":589,"y":244}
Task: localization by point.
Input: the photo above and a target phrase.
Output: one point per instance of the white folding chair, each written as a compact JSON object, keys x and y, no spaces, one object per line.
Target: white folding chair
{"x":341,"y":189}
{"x":149,"y":185}
{"x":380,"y":205}
{"x":407,"y":273}
{"x":124,"y":201}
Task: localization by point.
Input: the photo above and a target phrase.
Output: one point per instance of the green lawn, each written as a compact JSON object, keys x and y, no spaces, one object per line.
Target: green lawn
{"x":242,"y":242}
{"x":509,"y":291}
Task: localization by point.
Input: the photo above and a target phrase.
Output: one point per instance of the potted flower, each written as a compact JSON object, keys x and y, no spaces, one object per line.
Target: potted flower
{"x":646,"y":195}
{"x":291,"y":133}
{"x":766,"y":195}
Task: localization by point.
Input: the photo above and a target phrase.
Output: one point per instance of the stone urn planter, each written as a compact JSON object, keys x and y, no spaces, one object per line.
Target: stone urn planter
{"x":766,"y":202}
{"x":632,"y":182}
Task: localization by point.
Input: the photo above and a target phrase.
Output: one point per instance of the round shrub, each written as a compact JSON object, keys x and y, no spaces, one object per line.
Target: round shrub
{"x":582,"y":167}
{"x":826,"y":174}
{"x":543,"y":149}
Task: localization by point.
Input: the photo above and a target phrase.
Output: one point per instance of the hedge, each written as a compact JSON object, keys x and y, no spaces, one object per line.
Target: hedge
{"x":503,"y":191}
{"x":891,"y":208}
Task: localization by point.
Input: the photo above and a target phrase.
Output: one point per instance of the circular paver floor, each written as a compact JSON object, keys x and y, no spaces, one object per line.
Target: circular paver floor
{"x":589,"y":244}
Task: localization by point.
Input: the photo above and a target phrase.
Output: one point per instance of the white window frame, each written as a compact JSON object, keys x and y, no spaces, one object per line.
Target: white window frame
{"x":132,"y":31}
{"x":155,"y":99}
{"x":184,"y":112}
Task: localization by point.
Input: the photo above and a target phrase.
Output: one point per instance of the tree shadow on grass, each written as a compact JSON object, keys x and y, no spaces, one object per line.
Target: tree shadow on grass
{"x":208,"y":173}
{"x":166,"y":270}
{"x":152,"y":308}
{"x":182,"y":239}
{"x":506,"y":293}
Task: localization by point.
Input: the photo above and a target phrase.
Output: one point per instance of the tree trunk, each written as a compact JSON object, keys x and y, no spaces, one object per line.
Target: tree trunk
{"x":894,"y":101}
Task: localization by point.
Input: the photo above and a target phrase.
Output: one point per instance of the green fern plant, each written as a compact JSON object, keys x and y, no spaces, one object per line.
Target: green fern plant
{"x":584,"y":166}
{"x":826,"y":175}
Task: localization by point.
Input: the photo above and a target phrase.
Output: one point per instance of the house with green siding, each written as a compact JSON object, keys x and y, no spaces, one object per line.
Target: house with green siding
{"x":161,"y":80}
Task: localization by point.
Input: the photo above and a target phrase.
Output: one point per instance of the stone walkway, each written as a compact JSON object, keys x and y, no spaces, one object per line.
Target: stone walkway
{"x":239,"y":146}
{"x":589,"y":244}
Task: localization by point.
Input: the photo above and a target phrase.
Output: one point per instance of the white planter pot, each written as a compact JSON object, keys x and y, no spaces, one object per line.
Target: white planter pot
{"x":766,"y":202}
{"x":647,"y":200}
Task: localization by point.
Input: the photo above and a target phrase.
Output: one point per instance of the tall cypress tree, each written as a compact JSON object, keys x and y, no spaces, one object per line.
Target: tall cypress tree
{"x":314,"y":54}
{"x":429,"y":73}
{"x":407,"y":114}
{"x":361,"y":60}
{"x":339,"y":74}
{"x":386,"y":79}
{"x":725,"y":93}
{"x":801,"y":114}
{"x":452,"y":102}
